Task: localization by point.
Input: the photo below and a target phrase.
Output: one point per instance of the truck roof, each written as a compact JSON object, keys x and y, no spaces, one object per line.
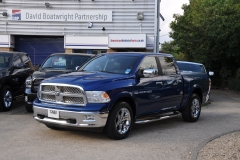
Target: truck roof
{"x":75,"y":54}
{"x":141,"y":53}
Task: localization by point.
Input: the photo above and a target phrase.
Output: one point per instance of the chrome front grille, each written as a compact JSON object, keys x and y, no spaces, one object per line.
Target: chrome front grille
{"x":74,"y":100}
{"x":62,"y":93}
{"x":71,"y":90}
{"x":48,"y":97}
{"x":48,"y":88}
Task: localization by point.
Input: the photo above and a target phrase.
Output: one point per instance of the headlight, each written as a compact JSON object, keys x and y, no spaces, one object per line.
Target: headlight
{"x":28,"y":83}
{"x":97,"y":97}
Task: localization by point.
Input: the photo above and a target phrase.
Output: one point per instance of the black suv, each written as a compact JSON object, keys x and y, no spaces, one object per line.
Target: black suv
{"x":15,"y":67}
{"x":55,"y":64}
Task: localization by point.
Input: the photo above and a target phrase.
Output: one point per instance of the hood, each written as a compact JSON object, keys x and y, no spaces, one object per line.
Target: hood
{"x":87,"y":80}
{"x":42,"y":74}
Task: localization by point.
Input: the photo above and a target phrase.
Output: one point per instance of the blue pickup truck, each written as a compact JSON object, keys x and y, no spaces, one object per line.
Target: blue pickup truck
{"x":113,"y":91}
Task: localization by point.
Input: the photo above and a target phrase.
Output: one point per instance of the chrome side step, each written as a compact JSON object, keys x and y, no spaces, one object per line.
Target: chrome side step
{"x":153,"y":119}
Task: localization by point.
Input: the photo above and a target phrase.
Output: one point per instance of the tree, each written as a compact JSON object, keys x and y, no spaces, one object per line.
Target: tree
{"x":171,"y":48}
{"x":209,"y":32}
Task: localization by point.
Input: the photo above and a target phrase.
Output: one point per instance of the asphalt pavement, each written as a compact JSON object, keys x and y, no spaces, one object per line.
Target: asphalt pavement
{"x":23,"y":138}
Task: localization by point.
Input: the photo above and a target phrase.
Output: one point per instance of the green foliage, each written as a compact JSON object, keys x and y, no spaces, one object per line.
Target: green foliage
{"x":171,"y":48}
{"x":209,"y":33}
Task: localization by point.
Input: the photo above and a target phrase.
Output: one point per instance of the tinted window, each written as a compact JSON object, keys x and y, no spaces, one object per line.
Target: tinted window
{"x":65,"y":62}
{"x":148,"y":63}
{"x":25,"y":58}
{"x":4,"y":60}
{"x":121,"y":64}
{"x":16,"y":60}
{"x":167,"y":64}
{"x":191,"y":67}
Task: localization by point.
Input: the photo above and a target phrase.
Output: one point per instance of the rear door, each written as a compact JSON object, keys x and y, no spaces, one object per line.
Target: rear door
{"x":172,"y":90}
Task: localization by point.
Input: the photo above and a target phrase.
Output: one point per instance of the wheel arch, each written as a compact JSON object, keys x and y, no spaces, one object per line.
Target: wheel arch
{"x":130,"y":100}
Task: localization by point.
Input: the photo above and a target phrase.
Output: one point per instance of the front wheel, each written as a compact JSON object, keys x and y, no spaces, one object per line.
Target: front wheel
{"x":193,"y":109}
{"x":119,"y":123}
{"x":6,"y":99}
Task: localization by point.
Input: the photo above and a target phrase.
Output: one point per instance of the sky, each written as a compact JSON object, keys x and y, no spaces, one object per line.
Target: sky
{"x":167,"y":9}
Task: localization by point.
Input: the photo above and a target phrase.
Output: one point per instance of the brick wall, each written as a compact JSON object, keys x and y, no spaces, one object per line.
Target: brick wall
{"x":5,"y":49}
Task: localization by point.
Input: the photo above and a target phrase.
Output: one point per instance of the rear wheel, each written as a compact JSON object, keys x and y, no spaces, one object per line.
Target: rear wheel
{"x":6,"y":99}
{"x":119,"y":123}
{"x":192,"y":112}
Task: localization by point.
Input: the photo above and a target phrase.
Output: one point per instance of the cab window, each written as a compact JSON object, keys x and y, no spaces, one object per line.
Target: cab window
{"x":148,"y":63}
{"x":167,"y":65}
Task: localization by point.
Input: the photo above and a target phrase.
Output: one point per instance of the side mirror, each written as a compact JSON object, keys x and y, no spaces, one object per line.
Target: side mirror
{"x":77,"y":68}
{"x":148,"y":73}
{"x":211,"y":73}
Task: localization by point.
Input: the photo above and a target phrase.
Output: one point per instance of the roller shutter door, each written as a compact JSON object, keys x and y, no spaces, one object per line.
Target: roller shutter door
{"x":39,"y":47}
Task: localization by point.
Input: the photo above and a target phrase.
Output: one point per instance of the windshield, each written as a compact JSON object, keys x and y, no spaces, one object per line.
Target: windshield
{"x":119,"y":64}
{"x":4,"y":60}
{"x":64,"y":62}
{"x":191,"y":67}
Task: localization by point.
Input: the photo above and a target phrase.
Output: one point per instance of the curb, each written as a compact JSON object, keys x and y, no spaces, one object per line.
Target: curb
{"x":195,"y":152}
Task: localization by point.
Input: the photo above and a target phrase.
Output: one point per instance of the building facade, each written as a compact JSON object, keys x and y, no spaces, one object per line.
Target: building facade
{"x":79,"y":26}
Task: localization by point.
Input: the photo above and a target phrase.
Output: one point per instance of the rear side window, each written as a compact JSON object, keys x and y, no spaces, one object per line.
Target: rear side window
{"x":167,"y":65}
{"x":191,"y":67}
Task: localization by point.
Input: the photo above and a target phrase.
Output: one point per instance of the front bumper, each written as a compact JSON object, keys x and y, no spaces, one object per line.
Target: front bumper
{"x":70,"y":118}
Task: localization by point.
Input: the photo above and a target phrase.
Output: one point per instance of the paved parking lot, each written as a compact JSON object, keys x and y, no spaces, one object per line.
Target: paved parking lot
{"x":23,"y":138}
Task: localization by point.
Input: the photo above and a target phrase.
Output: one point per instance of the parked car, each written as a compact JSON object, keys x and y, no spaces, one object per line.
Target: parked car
{"x":15,"y":67}
{"x":195,"y":68}
{"x":54,"y":65}
{"x":112,"y":91}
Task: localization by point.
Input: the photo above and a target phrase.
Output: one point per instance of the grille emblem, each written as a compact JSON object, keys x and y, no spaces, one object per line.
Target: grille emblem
{"x":57,"y":93}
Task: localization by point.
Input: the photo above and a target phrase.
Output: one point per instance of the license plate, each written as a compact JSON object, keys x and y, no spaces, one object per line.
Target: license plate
{"x":53,"y":113}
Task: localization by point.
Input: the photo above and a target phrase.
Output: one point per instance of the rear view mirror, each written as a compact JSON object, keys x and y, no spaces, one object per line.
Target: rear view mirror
{"x":77,"y":68}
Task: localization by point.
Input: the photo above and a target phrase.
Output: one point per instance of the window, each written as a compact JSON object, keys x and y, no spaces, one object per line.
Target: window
{"x":16,"y":59}
{"x":120,"y":64}
{"x":148,"y":63}
{"x":25,"y":59}
{"x":193,"y":67}
{"x":167,"y":64}
{"x":4,"y":60}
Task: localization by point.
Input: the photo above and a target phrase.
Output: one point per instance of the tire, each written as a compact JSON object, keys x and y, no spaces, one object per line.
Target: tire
{"x":29,"y":108}
{"x":53,"y":127}
{"x":120,"y":120}
{"x":6,"y":99}
{"x":193,"y":109}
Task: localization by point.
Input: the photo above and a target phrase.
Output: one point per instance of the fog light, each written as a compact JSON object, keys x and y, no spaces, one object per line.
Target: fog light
{"x":26,"y":99}
{"x":89,"y":117}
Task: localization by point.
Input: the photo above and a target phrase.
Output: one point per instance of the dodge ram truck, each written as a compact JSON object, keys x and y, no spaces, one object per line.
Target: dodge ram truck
{"x":55,"y":64}
{"x":113,"y":91}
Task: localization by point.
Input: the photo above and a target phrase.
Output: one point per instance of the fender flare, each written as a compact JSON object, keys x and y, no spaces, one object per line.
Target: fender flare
{"x":122,"y":95}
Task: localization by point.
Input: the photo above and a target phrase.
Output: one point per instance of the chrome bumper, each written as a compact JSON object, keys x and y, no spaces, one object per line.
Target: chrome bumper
{"x":71,"y":119}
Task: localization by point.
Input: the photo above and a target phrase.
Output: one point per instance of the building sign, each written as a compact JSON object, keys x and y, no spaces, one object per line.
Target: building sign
{"x":60,"y":15}
{"x":127,"y":40}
